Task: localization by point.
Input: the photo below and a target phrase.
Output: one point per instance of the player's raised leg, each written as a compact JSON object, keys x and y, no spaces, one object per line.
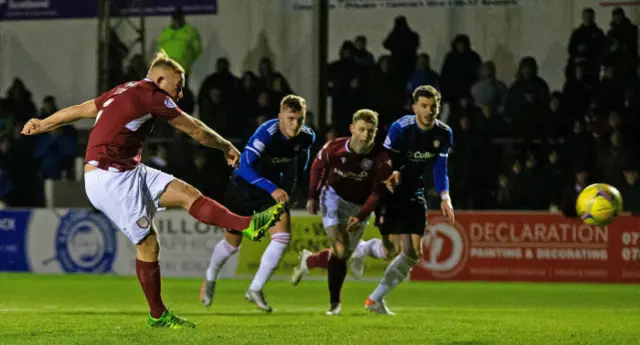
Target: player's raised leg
{"x":180,"y":194}
{"x":377,"y":248}
{"x":280,"y":238}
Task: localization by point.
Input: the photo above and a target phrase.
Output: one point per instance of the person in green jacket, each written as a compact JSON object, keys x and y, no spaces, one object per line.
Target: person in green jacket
{"x":181,"y":41}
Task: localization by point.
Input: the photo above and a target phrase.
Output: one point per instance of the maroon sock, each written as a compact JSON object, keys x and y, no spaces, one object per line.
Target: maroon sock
{"x":149,"y":277}
{"x":319,"y":259}
{"x":211,"y":212}
{"x":336,"y":274}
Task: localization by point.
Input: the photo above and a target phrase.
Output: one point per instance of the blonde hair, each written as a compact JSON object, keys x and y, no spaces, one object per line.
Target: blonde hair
{"x":163,"y":60}
{"x":366,"y":115}
{"x":294,"y":103}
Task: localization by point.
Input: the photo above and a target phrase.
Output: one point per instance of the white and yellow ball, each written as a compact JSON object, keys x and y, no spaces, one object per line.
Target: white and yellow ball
{"x":599,"y":204}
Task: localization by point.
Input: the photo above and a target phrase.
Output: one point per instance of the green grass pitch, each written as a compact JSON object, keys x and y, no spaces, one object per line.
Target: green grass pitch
{"x":79,"y":309}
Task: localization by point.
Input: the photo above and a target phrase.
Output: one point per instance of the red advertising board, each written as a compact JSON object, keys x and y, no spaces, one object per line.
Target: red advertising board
{"x":530,"y":247}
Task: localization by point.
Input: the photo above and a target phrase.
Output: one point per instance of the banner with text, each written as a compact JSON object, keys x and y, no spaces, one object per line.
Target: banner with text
{"x":308,"y":233}
{"x":530,"y":247}
{"x":389,"y":4}
{"x":59,"y":9}
{"x":81,"y":241}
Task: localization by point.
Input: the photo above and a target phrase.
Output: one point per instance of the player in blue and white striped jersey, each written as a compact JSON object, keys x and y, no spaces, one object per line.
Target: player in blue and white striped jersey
{"x":273,"y":161}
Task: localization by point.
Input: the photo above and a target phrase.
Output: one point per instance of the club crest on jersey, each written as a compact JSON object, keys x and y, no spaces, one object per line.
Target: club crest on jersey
{"x":296,"y":148}
{"x":343,"y":159}
{"x":143,"y":222}
{"x":169,"y":103}
{"x":366,"y":164}
{"x":436,"y":143}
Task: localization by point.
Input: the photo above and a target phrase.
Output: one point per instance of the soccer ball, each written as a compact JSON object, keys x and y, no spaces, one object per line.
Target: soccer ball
{"x":599,"y":204}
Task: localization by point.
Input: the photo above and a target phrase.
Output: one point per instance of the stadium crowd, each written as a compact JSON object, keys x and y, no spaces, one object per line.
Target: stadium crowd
{"x":517,"y":146}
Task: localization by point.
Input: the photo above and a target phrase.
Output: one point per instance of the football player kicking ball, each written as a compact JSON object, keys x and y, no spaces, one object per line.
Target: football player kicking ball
{"x":350,"y":174}
{"x":418,"y":144}
{"x":274,"y":158}
{"x":130,"y":193}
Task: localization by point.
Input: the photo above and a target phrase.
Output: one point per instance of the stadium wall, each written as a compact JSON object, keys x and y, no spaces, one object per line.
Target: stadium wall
{"x":59,"y":56}
{"x":494,"y":246}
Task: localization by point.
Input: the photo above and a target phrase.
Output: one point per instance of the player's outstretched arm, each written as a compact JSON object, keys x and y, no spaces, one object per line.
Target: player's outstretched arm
{"x":206,"y":136}
{"x":60,"y":118}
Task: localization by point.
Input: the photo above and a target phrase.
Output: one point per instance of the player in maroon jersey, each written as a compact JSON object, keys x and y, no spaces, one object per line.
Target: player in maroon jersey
{"x":347,"y":179}
{"x":130,"y":193}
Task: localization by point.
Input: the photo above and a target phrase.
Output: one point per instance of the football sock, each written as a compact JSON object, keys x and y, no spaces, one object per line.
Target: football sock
{"x":270,"y":259}
{"x":319,"y":259}
{"x":211,"y":212}
{"x":221,"y":252}
{"x":149,"y":277}
{"x":397,"y":271}
{"x":373,"y":248}
{"x":336,"y":274}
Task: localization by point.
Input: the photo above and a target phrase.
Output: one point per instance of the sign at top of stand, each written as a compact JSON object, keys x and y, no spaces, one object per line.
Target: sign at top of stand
{"x":389,"y":4}
{"x":64,"y":9}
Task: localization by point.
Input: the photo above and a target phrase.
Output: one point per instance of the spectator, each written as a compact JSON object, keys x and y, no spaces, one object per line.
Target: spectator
{"x":464,"y":107}
{"x":49,"y":107}
{"x":517,"y":187}
{"x":623,"y":30}
{"x":217,"y":112}
{"x":19,"y":101}
{"x":403,"y":43}
{"x":623,"y":60}
{"x":468,"y":153}
{"x":611,"y":159}
{"x":578,"y":90}
{"x":386,"y":95}
{"x":489,"y":91}
{"x":552,"y":175}
{"x":57,"y":151}
{"x":527,"y":80}
{"x":611,"y":89}
{"x":6,"y":120}
{"x":630,"y":188}
{"x":572,"y":189}
{"x":247,"y":101}
{"x":222,"y":79}
{"x":181,"y":41}
{"x":460,"y":69}
{"x":586,"y":46}
{"x":266,"y":73}
{"x":423,"y":74}
{"x":559,"y":123}
{"x":362,"y":56}
{"x":341,"y":73}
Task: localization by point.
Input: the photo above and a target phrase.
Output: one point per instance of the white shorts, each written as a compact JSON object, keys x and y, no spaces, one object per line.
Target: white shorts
{"x":336,"y":211}
{"x":130,"y":199}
